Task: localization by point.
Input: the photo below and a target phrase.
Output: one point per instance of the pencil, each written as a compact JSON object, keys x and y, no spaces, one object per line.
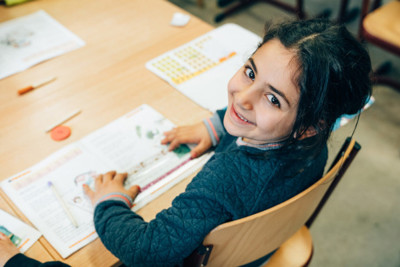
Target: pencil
{"x":68,"y":117}
{"x":34,"y":86}
{"x":63,"y":205}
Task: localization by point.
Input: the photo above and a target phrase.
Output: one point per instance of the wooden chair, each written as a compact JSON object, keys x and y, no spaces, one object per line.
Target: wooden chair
{"x":283,"y":227}
{"x":379,"y":25}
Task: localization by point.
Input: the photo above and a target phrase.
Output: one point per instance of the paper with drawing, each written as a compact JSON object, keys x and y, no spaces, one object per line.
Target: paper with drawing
{"x":129,"y":144}
{"x":22,"y":235}
{"x":31,"y":39}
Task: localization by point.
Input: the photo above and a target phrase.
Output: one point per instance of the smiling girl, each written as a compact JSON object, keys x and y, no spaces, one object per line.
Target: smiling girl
{"x":270,"y":143}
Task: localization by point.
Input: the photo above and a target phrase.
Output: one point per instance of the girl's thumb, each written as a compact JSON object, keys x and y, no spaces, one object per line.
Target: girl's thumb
{"x":135,"y":189}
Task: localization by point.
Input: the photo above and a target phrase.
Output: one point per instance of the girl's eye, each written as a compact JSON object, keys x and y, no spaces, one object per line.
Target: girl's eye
{"x":274,"y":100}
{"x":250,"y":73}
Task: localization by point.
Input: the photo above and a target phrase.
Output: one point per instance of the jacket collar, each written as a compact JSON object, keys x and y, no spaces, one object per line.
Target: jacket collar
{"x":268,"y":146}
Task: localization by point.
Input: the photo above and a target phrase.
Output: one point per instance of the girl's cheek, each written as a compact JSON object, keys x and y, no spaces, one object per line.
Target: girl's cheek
{"x":230,"y":86}
{"x":234,"y":84}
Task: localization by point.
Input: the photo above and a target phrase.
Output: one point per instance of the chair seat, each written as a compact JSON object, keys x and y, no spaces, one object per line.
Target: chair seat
{"x":384,"y":23}
{"x":295,"y":252}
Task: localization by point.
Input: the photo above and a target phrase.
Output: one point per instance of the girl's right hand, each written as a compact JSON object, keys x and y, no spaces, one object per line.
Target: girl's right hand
{"x":191,"y":134}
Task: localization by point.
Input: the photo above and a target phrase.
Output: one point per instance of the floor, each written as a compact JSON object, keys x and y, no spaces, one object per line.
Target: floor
{"x":360,"y":224}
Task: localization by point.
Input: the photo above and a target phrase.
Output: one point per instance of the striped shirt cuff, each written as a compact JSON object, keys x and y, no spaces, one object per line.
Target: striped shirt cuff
{"x":118,"y":196}
{"x":215,"y":128}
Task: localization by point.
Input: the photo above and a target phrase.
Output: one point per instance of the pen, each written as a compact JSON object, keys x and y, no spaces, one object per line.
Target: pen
{"x":70,"y":116}
{"x":64,"y":206}
{"x":34,"y":86}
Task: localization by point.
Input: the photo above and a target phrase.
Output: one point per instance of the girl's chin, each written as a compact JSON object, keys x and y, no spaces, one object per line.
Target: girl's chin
{"x":230,"y":128}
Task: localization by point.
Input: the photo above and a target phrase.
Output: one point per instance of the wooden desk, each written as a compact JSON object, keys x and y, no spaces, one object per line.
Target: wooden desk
{"x":105,"y":79}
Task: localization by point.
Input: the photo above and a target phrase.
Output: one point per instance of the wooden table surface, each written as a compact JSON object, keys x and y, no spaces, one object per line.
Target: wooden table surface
{"x":105,"y":79}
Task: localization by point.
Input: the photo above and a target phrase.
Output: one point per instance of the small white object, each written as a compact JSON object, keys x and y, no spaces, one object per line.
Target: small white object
{"x":180,"y":19}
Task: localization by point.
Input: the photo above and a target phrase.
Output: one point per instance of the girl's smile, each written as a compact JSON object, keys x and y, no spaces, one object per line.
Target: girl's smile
{"x":238,"y":117}
{"x":262,"y":96}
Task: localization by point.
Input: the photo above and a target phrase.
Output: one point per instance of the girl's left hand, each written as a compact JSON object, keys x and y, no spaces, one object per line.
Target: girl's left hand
{"x":111,"y":182}
{"x":191,"y":134}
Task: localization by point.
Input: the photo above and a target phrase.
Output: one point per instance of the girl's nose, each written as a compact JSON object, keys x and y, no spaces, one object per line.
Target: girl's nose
{"x":246,"y":98}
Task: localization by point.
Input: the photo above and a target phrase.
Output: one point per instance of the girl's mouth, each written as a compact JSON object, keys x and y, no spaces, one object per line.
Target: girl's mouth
{"x":238,"y":117}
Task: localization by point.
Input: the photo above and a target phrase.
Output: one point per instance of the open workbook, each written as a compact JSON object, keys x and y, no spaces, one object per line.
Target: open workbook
{"x":129,"y":144}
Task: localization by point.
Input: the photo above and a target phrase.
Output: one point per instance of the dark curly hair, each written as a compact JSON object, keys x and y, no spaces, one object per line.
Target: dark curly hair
{"x":333,"y":75}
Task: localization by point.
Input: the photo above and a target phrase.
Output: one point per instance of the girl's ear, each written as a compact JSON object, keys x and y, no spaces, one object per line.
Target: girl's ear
{"x":308,"y":133}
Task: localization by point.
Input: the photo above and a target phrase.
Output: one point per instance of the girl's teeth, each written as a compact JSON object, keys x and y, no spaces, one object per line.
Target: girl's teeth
{"x":242,"y":118}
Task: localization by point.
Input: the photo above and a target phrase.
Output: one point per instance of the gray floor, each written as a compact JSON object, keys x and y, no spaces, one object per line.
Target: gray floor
{"x":360,"y":225}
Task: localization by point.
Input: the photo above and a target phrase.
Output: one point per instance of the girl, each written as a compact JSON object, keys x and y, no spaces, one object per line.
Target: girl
{"x":270,"y":143}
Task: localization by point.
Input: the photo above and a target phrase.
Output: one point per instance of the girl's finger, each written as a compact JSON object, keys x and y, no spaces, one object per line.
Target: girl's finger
{"x":88,"y":191}
{"x":109,"y":176}
{"x":98,"y":181}
{"x":3,"y":236}
{"x":174,"y":144}
{"x":169,"y":136}
{"x":121,"y":177}
{"x":168,"y":132}
{"x":135,"y":190}
{"x":198,"y":150}
{"x":165,"y":141}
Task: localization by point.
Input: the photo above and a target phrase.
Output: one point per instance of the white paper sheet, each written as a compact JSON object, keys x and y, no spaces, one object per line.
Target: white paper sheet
{"x":31,"y":39}
{"x":22,"y":235}
{"x":202,"y":68}
{"x":129,"y":144}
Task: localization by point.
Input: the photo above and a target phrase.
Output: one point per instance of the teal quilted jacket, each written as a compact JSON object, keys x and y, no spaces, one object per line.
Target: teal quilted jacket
{"x":236,"y":182}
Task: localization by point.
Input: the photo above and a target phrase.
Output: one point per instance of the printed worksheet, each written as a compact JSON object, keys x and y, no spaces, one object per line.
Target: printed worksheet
{"x":201,"y":68}
{"x":31,"y":39}
{"x":129,"y":144}
{"x":22,"y":235}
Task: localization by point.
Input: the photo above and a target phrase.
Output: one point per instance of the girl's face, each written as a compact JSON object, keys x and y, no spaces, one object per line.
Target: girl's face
{"x":262,"y":96}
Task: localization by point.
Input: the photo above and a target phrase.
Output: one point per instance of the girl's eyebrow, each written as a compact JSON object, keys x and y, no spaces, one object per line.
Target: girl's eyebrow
{"x":253,"y":65}
{"x":279,"y":93}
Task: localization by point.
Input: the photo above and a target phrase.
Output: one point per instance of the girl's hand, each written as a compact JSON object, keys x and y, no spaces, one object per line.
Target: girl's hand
{"x":7,"y":249}
{"x":111,"y":182}
{"x":192,"y":134}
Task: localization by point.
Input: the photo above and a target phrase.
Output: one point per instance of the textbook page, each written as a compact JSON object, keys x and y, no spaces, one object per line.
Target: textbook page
{"x":31,"y":39}
{"x":129,"y":144}
{"x":202,"y":68}
{"x":22,"y":235}
{"x":30,"y":192}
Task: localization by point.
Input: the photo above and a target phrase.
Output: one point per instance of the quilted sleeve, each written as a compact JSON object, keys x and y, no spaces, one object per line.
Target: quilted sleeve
{"x":172,"y":235}
{"x":22,"y":260}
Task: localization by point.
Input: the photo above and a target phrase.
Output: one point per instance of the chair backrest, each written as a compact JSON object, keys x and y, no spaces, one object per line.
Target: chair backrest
{"x":379,"y":24}
{"x":245,"y":240}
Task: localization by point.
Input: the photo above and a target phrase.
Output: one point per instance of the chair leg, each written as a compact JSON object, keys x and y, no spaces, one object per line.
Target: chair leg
{"x":344,"y":15}
{"x":381,"y":78}
{"x":200,"y":3}
{"x":233,"y":9}
{"x":297,"y":9}
{"x":387,"y":81}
